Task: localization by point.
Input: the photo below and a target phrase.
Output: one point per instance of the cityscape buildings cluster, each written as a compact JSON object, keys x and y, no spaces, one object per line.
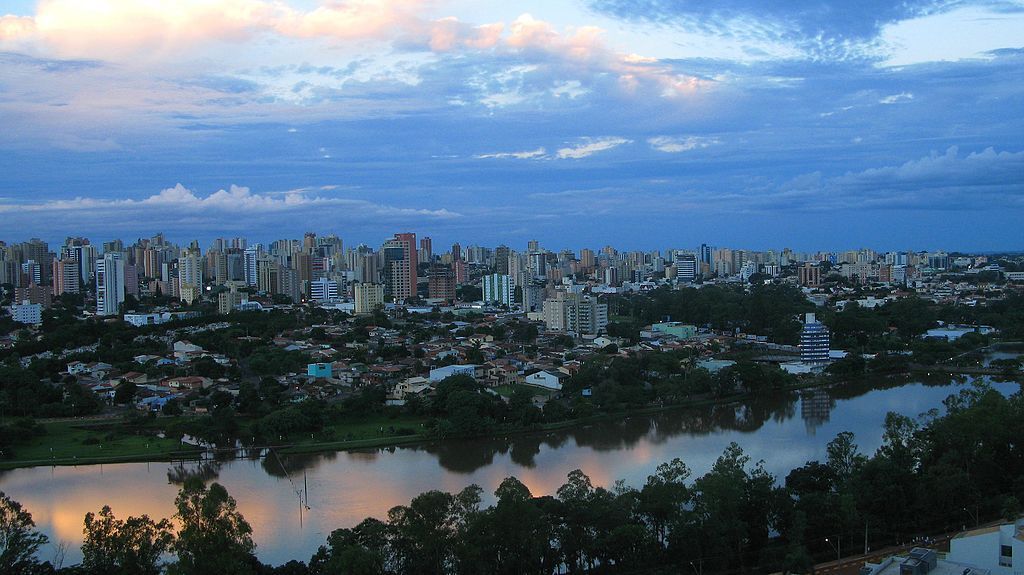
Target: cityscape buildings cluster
{"x":561,"y":288}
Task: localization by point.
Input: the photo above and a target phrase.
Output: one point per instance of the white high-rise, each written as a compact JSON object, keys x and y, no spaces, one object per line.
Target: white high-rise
{"x":109,"y":283}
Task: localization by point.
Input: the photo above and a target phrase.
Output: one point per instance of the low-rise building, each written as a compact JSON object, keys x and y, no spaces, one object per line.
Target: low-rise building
{"x":998,"y":548}
{"x":545,"y":379}
{"x":27,"y":313}
{"x":440,"y":373}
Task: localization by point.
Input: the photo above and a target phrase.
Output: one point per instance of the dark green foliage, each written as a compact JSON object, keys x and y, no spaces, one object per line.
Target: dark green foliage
{"x":213,"y":538}
{"x":19,"y":540}
{"x":128,"y":547}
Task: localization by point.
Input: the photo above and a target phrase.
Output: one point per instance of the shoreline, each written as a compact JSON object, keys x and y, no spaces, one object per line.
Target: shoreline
{"x":198,"y":454}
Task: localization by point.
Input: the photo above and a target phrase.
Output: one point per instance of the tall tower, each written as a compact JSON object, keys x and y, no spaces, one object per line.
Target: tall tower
{"x":401,"y":261}
{"x":110,"y":283}
{"x":190,"y":274}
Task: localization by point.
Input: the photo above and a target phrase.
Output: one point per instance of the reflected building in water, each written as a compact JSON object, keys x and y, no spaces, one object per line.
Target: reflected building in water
{"x":815,"y":408}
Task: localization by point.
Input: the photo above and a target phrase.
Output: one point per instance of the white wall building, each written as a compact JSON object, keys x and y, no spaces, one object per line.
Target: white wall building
{"x":110,"y":286}
{"x":323,"y":290}
{"x":27,"y":313}
{"x":544,"y":379}
{"x":1000,"y":548}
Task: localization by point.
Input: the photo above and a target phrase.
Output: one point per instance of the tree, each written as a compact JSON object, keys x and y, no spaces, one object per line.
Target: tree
{"x":214,"y":538}
{"x":843,"y":457}
{"x":19,"y":540}
{"x":129,"y":547}
{"x":125,"y":393}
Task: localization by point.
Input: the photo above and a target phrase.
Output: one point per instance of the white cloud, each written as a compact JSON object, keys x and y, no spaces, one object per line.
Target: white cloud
{"x":897,"y":98}
{"x":179,"y":200}
{"x":590,"y":146}
{"x":527,"y":155}
{"x":676,"y":144}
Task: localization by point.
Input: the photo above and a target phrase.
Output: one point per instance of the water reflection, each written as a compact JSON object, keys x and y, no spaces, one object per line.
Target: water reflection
{"x":205,"y":471}
{"x":815,"y":408}
{"x":346,"y":487}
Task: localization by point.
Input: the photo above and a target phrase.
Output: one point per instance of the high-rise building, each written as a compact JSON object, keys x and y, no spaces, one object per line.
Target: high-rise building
{"x":400,"y":263}
{"x":368,"y":297}
{"x":227,"y":301}
{"x":66,"y":277}
{"x":110,"y":283}
{"x":190,"y":275}
{"x":587,"y":260}
{"x":533,"y":296}
{"x":814,"y":341}
{"x":323,"y":290}
{"x":34,"y":294}
{"x":497,"y":289}
{"x":250,"y":269}
{"x":38,"y":251}
{"x":686,"y":267}
{"x":575,"y":313}
{"x":426,"y":249}
{"x":809,"y":275}
{"x":705,"y":254}
{"x":501,"y":255}
{"x":32,"y":272}
{"x":441,"y":283}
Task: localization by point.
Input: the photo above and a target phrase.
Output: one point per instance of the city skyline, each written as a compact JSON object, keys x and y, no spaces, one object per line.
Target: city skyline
{"x":808,"y":124}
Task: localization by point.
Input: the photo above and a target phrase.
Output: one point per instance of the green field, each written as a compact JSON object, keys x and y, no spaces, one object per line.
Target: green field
{"x":508,"y":390}
{"x":71,"y":441}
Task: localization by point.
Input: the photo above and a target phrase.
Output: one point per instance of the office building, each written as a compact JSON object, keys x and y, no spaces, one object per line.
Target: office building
{"x":814,"y":341}
{"x":686,"y":267}
{"x":323,"y":290}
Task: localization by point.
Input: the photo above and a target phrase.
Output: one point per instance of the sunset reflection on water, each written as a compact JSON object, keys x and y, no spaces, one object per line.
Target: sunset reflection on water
{"x":346,"y":487}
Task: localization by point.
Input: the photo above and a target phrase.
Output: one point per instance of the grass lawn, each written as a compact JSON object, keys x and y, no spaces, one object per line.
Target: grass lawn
{"x":369,"y":427}
{"x":85,"y":440}
{"x":508,"y":390}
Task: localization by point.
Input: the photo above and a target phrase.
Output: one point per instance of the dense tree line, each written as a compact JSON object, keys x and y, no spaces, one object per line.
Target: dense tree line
{"x":930,"y":475}
{"x":770,"y":310}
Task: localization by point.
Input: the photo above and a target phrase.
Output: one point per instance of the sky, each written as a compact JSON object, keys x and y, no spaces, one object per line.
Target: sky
{"x":644,"y":124}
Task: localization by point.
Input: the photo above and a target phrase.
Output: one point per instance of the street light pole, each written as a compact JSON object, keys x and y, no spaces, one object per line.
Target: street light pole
{"x":835,"y":546}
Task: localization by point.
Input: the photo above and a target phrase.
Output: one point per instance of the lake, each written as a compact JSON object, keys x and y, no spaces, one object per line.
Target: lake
{"x":784,"y":430}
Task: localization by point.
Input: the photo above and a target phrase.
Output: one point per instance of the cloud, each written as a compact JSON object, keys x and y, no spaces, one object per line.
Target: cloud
{"x":527,"y":155}
{"x":945,"y":181}
{"x":13,"y":28}
{"x":897,"y":98}
{"x":119,"y":29}
{"x":589,"y":147}
{"x":676,"y":144}
{"x":180,"y":201}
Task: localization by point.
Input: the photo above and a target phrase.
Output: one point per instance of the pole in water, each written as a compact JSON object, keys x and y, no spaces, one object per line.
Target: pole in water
{"x":305,"y":487}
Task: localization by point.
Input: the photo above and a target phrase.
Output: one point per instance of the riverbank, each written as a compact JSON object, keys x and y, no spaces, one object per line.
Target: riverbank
{"x":93,"y":442}
{"x":104,"y":441}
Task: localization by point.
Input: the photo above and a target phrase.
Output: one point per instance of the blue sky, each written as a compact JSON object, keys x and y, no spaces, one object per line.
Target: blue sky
{"x":644,"y":124}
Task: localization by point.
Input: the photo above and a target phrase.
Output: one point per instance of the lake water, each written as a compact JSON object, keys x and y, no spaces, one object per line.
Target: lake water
{"x":343,"y":488}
